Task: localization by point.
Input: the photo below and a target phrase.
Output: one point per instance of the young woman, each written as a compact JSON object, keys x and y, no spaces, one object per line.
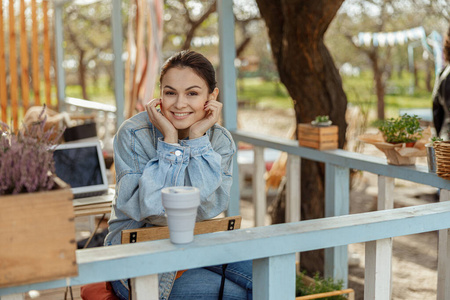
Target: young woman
{"x":177,"y":142}
{"x":441,"y":96}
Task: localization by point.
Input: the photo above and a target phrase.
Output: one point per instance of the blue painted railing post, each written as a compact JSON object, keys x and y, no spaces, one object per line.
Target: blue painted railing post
{"x":119,"y":81}
{"x":337,"y":194}
{"x":259,"y":186}
{"x":293,"y":188}
{"x":274,"y":277}
{"x":378,"y":256}
{"x":293,"y":192}
{"x":59,"y":56}
{"x":443,"y":285}
{"x":227,"y":86}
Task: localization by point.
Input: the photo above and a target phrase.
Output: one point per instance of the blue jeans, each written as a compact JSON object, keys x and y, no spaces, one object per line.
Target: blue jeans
{"x":204,"y":283}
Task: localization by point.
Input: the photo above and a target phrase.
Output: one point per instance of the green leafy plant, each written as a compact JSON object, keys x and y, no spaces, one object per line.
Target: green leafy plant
{"x":404,"y":129}
{"x":436,"y":139}
{"x":322,"y":119}
{"x":26,"y":158}
{"x":320,"y":285}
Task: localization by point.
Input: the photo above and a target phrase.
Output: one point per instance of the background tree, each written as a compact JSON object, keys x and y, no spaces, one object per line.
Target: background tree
{"x":296,"y":31}
{"x":88,"y":35}
{"x":386,"y":16}
{"x":199,"y":19}
{"x":184,"y":20}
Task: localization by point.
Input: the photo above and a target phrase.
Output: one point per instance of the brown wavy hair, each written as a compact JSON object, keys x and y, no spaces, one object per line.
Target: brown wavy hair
{"x":447,"y":47}
{"x":194,"y":60}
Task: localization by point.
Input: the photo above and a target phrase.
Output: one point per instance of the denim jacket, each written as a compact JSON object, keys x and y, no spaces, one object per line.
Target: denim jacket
{"x":145,"y":164}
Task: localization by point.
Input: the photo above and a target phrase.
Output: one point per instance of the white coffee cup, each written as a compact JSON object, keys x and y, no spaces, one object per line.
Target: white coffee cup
{"x":181,"y":203}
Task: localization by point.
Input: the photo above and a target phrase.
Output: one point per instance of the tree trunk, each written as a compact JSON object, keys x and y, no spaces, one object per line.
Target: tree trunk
{"x":82,"y":74}
{"x":189,"y":37}
{"x":242,"y":46}
{"x":306,"y":68}
{"x":379,"y":84}
{"x":429,"y":70}
{"x":400,"y":71}
{"x":416,"y":76}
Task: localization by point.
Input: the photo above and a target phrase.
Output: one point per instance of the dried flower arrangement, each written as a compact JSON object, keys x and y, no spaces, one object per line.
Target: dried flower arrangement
{"x":26,"y":157}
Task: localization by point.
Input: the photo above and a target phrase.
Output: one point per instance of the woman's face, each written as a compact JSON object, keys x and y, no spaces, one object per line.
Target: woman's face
{"x":183,"y":97}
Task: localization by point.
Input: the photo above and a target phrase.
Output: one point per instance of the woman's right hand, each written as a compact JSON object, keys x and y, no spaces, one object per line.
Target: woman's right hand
{"x":161,"y":122}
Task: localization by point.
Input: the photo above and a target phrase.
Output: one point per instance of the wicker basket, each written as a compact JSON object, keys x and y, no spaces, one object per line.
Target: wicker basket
{"x":442,"y":150}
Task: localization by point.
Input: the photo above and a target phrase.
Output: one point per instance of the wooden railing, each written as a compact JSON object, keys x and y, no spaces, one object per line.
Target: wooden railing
{"x":337,"y":186}
{"x":34,"y":59}
{"x":273,"y":248}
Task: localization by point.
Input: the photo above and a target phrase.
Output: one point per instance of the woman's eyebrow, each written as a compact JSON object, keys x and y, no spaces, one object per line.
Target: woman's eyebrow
{"x":193,"y":87}
{"x":187,"y":89}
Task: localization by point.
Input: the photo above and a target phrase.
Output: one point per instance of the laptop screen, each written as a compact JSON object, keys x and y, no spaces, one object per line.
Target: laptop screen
{"x":81,"y":165}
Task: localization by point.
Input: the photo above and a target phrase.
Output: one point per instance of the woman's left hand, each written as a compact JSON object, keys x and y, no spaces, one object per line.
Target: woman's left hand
{"x":213,"y":109}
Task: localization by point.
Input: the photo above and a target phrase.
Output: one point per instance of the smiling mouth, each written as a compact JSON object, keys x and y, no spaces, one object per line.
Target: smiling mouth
{"x":181,"y":115}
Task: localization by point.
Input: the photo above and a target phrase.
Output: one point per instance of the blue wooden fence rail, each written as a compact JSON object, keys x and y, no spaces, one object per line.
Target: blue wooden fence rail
{"x":337,"y":166}
{"x":271,"y":248}
{"x":345,"y":159}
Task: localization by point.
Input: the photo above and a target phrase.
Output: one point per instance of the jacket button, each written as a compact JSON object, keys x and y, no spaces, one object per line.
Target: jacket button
{"x":178,"y":153}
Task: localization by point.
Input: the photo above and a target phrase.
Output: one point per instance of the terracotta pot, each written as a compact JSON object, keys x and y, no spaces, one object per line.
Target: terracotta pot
{"x":409,"y":144}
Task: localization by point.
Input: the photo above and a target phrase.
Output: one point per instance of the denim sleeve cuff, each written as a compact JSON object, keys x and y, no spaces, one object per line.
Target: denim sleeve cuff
{"x":172,"y":152}
{"x":198,"y":146}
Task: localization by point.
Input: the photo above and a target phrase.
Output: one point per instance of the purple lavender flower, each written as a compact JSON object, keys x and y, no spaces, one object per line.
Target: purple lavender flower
{"x":26,"y":158}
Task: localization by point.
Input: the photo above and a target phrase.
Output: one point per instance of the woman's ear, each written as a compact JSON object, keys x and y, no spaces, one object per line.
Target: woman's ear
{"x":214,"y":94}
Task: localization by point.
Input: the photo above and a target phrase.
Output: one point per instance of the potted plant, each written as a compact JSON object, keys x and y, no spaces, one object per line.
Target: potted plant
{"x":321,"y":121}
{"x":401,"y":139}
{"x":26,"y":160}
{"x":404,"y":129}
{"x":435,"y":139}
{"x":319,"y":134}
{"x":320,"y":288}
{"x":36,"y":212}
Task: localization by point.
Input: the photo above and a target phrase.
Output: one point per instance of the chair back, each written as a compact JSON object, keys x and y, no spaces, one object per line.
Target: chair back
{"x":102,"y":290}
{"x":162,"y":232}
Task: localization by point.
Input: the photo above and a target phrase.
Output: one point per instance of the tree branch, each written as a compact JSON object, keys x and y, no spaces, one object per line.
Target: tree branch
{"x":196,"y":23}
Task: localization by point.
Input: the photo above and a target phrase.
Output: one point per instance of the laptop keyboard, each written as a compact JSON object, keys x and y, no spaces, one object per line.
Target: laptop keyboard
{"x":89,"y":194}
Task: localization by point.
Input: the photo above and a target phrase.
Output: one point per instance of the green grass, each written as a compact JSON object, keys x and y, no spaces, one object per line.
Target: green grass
{"x":270,"y":94}
{"x":265,"y":94}
{"x":360,"y":91}
{"x":100,"y":92}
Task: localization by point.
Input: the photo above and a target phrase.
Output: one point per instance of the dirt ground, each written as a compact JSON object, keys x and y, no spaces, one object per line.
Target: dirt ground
{"x":414,"y":261}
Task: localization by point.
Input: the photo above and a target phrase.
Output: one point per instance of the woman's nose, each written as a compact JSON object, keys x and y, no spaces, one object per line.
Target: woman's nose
{"x":181,"y":102}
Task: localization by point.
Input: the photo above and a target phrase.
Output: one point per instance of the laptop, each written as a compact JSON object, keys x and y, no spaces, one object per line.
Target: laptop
{"x":82,"y":166}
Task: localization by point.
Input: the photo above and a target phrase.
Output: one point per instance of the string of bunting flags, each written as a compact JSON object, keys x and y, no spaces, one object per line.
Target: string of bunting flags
{"x":382,"y":39}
